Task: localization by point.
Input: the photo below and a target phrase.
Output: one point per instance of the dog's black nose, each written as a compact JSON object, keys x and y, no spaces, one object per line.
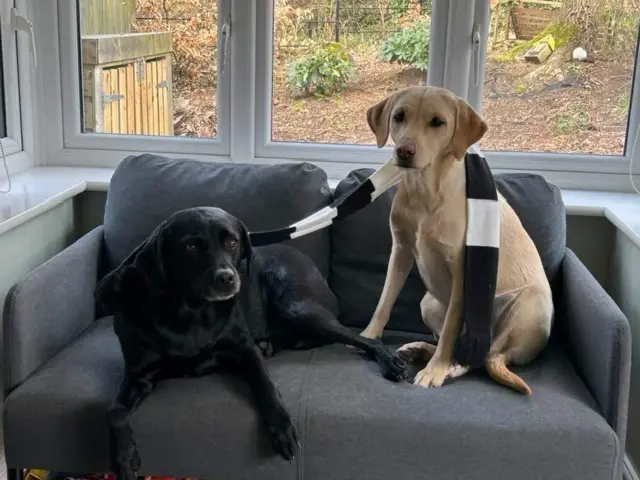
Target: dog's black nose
{"x":406,"y":151}
{"x":224,"y":278}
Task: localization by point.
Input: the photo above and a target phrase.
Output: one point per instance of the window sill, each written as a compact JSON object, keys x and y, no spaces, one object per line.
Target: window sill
{"x":40,"y":189}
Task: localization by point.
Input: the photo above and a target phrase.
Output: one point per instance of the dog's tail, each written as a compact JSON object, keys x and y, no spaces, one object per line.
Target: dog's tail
{"x":497,"y":368}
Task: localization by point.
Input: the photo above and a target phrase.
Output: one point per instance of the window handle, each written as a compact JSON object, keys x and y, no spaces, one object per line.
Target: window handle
{"x":20,"y":24}
{"x":226,"y":33}
{"x":475,"y":40}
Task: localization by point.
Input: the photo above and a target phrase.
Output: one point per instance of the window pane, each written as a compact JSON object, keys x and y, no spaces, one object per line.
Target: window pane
{"x":3,"y":118}
{"x":575,"y":100}
{"x":335,"y":58}
{"x":149,"y":66}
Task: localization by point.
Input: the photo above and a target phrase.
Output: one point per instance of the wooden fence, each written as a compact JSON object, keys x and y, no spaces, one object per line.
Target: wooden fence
{"x":107,"y":16}
{"x":529,"y":22}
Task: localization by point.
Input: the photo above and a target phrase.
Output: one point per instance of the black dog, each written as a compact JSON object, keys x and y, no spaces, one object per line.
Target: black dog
{"x":195,"y":297}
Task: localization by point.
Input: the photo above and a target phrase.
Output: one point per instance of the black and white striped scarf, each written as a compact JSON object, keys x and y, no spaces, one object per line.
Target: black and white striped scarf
{"x":481,"y":251}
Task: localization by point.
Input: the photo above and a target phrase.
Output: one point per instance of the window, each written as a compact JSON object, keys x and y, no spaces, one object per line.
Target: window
{"x":10,"y":118}
{"x":149,"y":67}
{"x":334,"y":59}
{"x":139,"y":73}
{"x":558,"y":76}
{"x":3,"y":118}
{"x":289,"y":80}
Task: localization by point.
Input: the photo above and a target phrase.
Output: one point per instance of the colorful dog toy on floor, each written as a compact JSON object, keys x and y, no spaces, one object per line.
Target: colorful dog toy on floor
{"x":482,"y":243}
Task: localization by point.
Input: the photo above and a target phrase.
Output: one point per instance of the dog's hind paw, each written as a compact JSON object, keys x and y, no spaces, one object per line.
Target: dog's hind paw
{"x":416,"y":351}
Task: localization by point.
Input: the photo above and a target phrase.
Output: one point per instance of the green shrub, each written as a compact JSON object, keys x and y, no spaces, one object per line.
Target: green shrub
{"x":409,"y":46}
{"x":322,"y":72}
{"x":398,"y":7}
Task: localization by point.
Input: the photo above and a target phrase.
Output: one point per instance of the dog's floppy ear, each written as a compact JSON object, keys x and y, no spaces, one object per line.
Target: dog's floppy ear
{"x":139,"y":276}
{"x":470,"y":128}
{"x":378,"y":118}
{"x":247,"y":248}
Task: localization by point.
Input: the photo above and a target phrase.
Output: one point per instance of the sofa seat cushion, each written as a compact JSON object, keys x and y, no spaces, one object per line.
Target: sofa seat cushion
{"x":146,"y":189}
{"x":361,"y":245}
{"x":352,"y":423}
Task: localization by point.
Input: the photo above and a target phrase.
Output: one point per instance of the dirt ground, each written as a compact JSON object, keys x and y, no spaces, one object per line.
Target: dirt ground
{"x":560,"y":106}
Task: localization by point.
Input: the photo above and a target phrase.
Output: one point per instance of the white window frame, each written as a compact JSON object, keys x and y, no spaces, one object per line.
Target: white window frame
{"x":16,"y":58}
{"x":74,"y":138}
{"x":245,"y":130}
{"x":264,"y":146}
{"x":450,"y":66}
{"x":569,"y":164}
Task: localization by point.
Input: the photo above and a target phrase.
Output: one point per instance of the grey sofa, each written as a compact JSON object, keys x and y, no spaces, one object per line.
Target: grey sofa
{"x":62,"y":363}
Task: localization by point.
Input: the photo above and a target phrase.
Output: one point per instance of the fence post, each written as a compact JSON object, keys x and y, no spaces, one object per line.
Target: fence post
{"x":337,"y":24}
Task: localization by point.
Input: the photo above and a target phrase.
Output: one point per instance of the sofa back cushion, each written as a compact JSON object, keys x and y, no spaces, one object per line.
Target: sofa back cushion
{"x":541,"y":210}
{"x":361,"y":245}
{"x":360,"y":249}
{"x":146,"y":189}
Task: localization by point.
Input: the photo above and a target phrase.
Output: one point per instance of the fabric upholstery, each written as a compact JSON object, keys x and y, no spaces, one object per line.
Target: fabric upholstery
{"x":146,"y":189}
{"x":361,"y":245}
{"x":353,"y":424}
{"x":49,"y":307}
{"x":597,"y":337}
{"x":540,"y":208}
{"x":360,"y":249}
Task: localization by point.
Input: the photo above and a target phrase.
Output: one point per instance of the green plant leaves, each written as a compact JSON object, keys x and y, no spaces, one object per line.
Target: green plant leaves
{"x":324,"y":71}
{"x":409,"y":46}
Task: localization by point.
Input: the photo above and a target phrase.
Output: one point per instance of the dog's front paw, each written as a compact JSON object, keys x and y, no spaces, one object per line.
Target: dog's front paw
{"x":127,"y":460}
{"x":392,"y":366}
{"x":266,"y":347}
{"x":283,"y":435}
{"x":433,"y":375}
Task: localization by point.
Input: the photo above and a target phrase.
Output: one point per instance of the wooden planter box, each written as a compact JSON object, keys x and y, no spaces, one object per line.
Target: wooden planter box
{"x":127,"y":83}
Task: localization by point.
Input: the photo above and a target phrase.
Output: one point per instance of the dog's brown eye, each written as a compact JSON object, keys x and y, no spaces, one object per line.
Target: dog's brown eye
{"x":191,"y":247}
{"x":231,"y":243}
{"x":436,"y":122}
{"x":399,"y":117}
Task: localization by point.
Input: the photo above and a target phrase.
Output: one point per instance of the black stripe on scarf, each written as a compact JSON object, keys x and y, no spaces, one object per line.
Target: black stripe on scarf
{"x":480,"y":262}
{"x":352,"y":201}
{"x":268,"y":237}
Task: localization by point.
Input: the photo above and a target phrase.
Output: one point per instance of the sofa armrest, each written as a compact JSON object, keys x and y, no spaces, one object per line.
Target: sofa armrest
{"x":598,"y":337}
{"x":49,"y":307}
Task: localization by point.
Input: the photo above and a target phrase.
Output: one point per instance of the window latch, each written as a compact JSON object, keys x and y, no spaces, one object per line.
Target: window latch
{"x":20,"y":23}
{"x":226,"y":33}
{"x":475,"y":41}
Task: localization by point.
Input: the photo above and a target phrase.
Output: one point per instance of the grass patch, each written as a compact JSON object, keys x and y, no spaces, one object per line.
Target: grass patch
{"x":573,"y":123}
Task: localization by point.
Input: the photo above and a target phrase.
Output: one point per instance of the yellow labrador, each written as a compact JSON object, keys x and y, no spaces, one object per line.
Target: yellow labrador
{"x":432,"y":129}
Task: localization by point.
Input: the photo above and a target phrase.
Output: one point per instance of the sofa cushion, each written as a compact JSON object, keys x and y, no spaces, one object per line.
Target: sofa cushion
{"x":146,"y":189}
{"x":352,"y":423}
{"x":360,"y":249}
{"x":540,"y":208}
{"x":361,"y":245}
